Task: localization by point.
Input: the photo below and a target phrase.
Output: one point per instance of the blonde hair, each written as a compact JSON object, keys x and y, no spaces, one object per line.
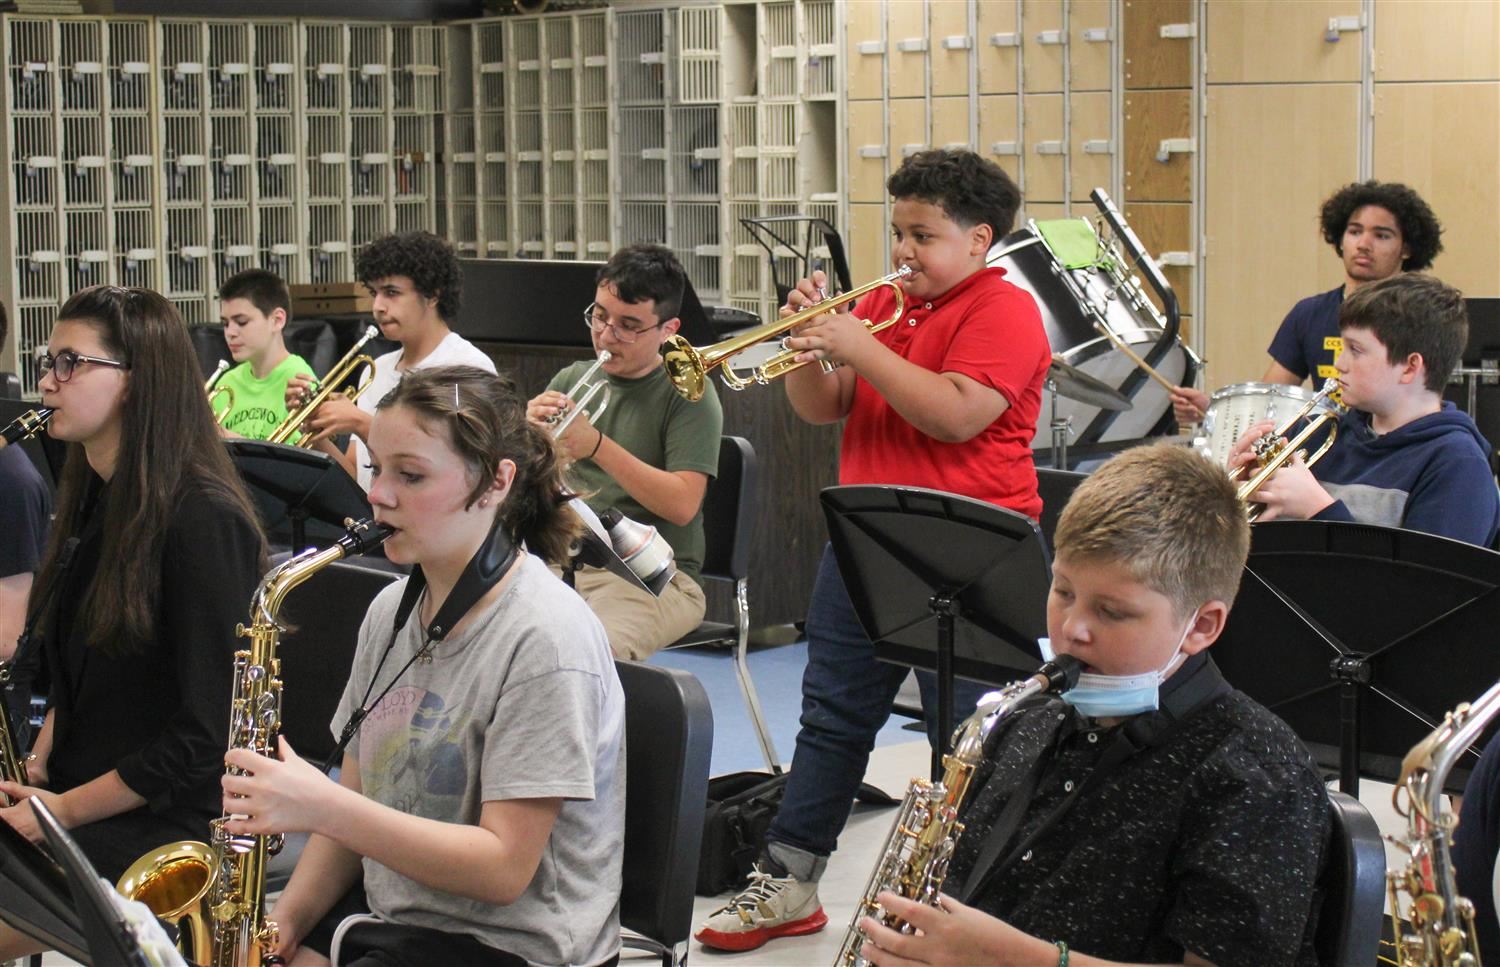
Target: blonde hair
{"x":1168,"y":516}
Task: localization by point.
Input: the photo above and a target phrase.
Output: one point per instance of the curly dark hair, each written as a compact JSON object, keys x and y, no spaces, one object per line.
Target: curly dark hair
{"x":427,"y":260}
{"x":968,"y":188}
{"x":1421,"y":232}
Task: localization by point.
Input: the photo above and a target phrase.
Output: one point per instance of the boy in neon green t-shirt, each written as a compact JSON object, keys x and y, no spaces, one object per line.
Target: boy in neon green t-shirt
{"x":254,"y":306}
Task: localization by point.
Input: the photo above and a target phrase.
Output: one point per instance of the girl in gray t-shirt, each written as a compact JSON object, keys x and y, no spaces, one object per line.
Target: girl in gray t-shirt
{"x":482,"y":798}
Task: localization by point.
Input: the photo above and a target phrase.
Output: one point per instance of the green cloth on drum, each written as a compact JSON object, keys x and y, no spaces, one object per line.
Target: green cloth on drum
{"x":1072,"y":240}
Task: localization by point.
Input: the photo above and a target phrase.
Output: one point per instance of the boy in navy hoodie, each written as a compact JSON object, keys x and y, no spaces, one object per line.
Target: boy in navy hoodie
{"x":1404,"y":457}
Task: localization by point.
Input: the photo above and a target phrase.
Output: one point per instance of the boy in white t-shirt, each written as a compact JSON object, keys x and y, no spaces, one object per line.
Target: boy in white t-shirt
{"x":417,"y":285}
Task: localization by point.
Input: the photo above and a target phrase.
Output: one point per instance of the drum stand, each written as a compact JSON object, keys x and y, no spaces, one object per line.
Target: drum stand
{"x":1062,"y":427}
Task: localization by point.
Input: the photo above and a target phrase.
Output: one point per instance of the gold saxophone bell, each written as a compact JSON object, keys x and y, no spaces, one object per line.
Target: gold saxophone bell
{"x":214,"y":391}
{"x":334,"y":382}
{"x":584,"y":392}
{"x":688,"y":367}
{"x":174,"y":882}
{"x":1272,"y":451}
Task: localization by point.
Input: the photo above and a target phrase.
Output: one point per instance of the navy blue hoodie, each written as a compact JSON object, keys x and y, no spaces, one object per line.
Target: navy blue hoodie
{"x":1432,"y":475}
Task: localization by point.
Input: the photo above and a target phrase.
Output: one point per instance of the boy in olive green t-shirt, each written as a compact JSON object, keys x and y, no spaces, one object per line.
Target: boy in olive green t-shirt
{"x":254,"y":307}
{"x":650,"y":454}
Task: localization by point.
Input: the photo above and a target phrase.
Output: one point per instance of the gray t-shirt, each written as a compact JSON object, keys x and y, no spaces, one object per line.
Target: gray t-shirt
{"x":524,"y":704}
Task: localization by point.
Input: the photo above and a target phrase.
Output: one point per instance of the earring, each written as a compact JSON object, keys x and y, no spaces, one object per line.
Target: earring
{"x":484,"y":501}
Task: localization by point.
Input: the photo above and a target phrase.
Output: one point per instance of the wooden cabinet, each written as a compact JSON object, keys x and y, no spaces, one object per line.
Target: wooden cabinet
{"x":1437,"y":40}
{"x":1151,"y":60}
{"x":1255,"y":41}
{"x":868,"y":151}
{"x":997,"y":62}
{"x":1152,"y":117}
{"x":1090,"y":140}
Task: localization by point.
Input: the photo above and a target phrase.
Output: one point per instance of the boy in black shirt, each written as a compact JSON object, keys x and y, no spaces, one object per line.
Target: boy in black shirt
{"x":1167,"y":818}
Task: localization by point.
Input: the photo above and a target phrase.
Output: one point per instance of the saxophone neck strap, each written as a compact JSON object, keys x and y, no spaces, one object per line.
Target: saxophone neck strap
{"x":483,"y":572}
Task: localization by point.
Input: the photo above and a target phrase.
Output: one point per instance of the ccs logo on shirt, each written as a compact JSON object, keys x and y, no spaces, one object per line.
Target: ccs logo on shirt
{"x":1334,"y":344}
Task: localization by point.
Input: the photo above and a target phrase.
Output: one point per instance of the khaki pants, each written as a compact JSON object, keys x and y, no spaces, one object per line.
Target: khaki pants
{"x":638,"y":623}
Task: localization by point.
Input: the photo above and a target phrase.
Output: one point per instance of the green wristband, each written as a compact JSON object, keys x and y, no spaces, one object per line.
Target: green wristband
{"x":1062,"y":953}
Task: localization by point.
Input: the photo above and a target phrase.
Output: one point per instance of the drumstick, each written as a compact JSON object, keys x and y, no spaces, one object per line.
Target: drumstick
{"x":1119,"y":344}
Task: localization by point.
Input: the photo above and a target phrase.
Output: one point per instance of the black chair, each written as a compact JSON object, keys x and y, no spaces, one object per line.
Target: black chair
{"x":1353,"y":887}
{"x":669,"y":737}
{"x":1055,"y":487}
{"x":208,"y":343}
{"x":324,"y":616}
{"x":315,"y":341}
{"x":10,"y":386}
{"x":728,"y":513}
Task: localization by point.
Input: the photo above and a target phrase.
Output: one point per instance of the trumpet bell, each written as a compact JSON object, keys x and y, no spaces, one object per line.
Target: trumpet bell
{"x":685,"y":368}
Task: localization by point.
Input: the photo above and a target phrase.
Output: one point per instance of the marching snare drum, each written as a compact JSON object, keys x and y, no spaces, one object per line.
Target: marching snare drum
{"x":1234,"y":409}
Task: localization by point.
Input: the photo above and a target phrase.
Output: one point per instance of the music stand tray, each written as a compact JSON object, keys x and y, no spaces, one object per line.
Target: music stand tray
{"x":942,"y":582}
{"x":34,"y":896}
{"x":305,"y":488}
{"x":1361,"y":638}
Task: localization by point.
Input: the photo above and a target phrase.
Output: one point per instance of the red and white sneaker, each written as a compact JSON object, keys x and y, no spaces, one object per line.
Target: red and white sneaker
{"x":768,"y":907}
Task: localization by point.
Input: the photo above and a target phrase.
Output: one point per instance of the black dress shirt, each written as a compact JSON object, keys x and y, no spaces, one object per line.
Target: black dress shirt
{"x":1208,"y":839}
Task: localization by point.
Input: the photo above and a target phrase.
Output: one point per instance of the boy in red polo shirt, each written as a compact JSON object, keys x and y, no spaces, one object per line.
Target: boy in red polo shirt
{"x":947,"y":398}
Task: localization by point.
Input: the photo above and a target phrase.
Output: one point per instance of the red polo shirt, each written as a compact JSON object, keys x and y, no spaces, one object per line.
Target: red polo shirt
{"x":991,"y":332}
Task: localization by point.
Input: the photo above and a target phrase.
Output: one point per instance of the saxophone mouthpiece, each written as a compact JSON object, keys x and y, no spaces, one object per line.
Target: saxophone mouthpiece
{"x":362,"y":536}
{"x":1061,"y":673}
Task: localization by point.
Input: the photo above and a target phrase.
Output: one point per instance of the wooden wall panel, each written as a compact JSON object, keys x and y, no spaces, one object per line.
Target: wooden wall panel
{"x":865,"y":71}
{"x":869,"y":242}
{"x":997,"y":123}
{"x":1088,"y":66}
{"x":1089,"y":121}
{"x":1166,"y":228}
{"x":906,"y":20}
{"x":1254,"y":41}
{"x":908,"y":127}
{"x":950,"y":68}
{"x":1041,"y":63}
{"x":950,"y":122}
{"x":1149,"y":59}
{"x":1444,"y":141}
{"x":866,"y":121}
{"x":1274,"y":153}
{"x":997,"y":65}
{"x":1437,"y":40}
{"x":1043,"y":123}
{"x":1150,"y":118}
{"x":1040,"y":211}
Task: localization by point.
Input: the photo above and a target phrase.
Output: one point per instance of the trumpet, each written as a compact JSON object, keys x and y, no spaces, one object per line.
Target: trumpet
{"x":213,"y":394}
{"x":341,"y":373}
{"x":688,"y":367}
{"x":1272,"y":451}
{"x":589,"y":388}
{"x":25,"y":426}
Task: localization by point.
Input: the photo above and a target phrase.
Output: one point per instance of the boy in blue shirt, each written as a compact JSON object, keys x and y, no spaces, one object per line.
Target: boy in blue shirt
{"x":1404,"y":457}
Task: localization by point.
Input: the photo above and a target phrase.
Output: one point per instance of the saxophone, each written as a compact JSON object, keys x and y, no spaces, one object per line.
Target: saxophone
{"x":1440,"y":923}
{"x":12,"y":765}
{"x":921,"y":842}
{"x":214,"y":893}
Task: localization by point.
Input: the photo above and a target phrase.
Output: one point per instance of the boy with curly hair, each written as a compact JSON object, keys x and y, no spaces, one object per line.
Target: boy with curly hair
{"x":417,"y":285}
{"x":1378,"y":229}
{"x":947,"y":399}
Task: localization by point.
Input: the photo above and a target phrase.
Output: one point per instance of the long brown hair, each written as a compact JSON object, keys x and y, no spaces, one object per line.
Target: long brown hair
{"x":168,"y":442}
{"x":485,"y":422}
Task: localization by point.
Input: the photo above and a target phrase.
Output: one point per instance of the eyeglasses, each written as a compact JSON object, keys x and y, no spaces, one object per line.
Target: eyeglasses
{"x":595,"y":320}
{"x":61,"y":366}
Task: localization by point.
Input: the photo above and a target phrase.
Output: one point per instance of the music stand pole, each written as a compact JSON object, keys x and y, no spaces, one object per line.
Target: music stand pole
{"x":945,"y":605}
{"x":1353,"y":675}
{"x":1060,"y":427}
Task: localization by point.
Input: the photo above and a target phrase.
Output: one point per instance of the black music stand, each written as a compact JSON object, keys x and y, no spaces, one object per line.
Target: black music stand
{"x":306,"y":489}
{"x":942,"y":581}
{"x":35,"y":899}
{"x":1362,"y":637}
{"x":111,"y":937}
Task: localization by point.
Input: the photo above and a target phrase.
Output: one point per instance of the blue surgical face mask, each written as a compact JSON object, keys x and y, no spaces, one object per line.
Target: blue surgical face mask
{"x":1116,"y":696}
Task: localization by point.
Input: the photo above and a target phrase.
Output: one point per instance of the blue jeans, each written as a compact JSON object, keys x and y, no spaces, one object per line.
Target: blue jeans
{"x":846,"y":698}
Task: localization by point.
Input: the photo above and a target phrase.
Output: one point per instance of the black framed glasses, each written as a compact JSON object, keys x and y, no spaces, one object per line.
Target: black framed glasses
{"x":62,"y":364}
{"x":593,"y":318}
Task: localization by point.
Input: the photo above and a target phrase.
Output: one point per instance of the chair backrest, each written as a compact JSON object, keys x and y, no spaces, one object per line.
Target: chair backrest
{"x":10,"y":386}
{"x":208,"y":343}
{"x":315,"y":341}
{"x":324,"y":614}
{"x":1353,"y":887}
{"x":1055,"y":487}
{"x":729,"y":508}
{"x":669,"y":735}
